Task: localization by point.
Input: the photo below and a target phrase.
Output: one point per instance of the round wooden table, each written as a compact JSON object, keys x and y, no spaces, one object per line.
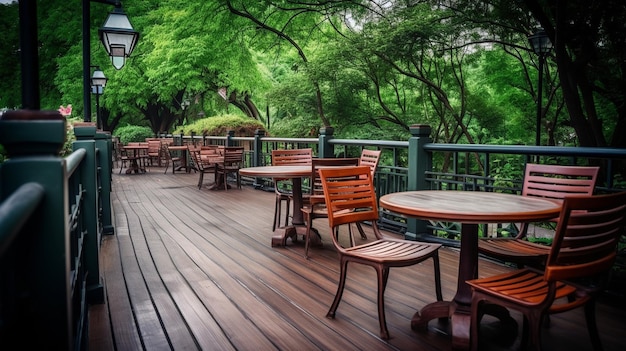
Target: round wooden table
{"x":470,"y":209}
{"x":295,"y":173}
{"x":134,"y":165}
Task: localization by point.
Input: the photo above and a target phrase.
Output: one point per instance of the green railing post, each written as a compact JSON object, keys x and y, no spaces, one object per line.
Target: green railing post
{"x":326,"y":149}
{"x":420,"y":161}
{"x":104,"y":144}
{"x":33,"y":140}
{"x":257,"y":153}
{"x":229,"y":138}
{"x":85,"y":139}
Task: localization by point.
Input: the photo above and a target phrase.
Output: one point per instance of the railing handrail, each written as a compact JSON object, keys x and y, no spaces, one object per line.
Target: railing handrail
{"x":597,"y":152}
{"x":17,"y":210}
{"x":74,"y":159}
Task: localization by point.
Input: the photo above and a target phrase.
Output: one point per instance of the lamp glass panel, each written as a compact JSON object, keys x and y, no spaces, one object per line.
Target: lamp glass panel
{"x":118,"y":61}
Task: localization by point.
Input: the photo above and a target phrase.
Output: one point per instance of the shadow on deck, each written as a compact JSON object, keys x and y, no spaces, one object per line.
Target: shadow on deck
{"x":194,"y":269}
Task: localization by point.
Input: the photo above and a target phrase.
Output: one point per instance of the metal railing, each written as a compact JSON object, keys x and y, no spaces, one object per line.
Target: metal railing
{"x":51,"y":221}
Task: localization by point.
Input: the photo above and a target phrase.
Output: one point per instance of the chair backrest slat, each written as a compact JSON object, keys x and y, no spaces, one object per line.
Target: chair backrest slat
{"x":291,"y":157}
{"x":349,"y":194}
{"x":587,"y":235}
{"x":556,"y":182}
{"x":320,"y":163}
{"x":370,"y":158}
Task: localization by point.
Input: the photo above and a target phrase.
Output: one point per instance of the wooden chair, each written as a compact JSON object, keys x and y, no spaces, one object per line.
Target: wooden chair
{"x":588,"y":231}
{"x":315,"y":206}
{"x":548,"y":181}
{"x":171,"y":157}
{"x":201,"y":157}
{"x":368,"y":158}
{"x":350,"y":197}
{"x":230,"y":164}
{"x":154,"y":151}
{"x":282,"y":157}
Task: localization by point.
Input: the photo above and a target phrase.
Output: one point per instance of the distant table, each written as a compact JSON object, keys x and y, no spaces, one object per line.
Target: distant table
{"x":295,"y":173}
{"x":134,"y":165}
{"x":470,"y":208}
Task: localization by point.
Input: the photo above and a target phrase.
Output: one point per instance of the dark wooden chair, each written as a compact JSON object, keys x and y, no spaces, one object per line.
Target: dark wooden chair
{"x":171,"y":157}
{"x":315,"y":204}
{"x":588,"y":231}
{"x":548,"y":181}
{"x":154,"y":151}
{"x":284,"y":157}
{"x":350,"y":197}
{"x":201,"y":157}
{"x":230,"y":164}
{"x":368,"y":158}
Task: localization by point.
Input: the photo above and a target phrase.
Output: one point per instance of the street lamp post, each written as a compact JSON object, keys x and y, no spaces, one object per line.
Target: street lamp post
{"x":98,"y":82}
{"x":118,"y":37}
{"x":541,"y":45}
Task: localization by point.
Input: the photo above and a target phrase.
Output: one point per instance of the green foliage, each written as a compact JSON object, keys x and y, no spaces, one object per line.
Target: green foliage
{"x":219,"y":125}
{"x":133,"y":134}
{"x":295,"y":127}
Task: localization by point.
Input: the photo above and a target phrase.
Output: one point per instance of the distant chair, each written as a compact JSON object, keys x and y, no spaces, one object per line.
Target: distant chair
{"x":230,"y":164}
{"x":171,"y":157}
{"x":547,"y":181}
{"x":286,"y":157}
{"x":154,"y":151}
{"x":369,"y":158}
{"x":350,"y":197}
{"x":201,"y":157}
{"x":585,"y":246}
{"x":316,"y":204}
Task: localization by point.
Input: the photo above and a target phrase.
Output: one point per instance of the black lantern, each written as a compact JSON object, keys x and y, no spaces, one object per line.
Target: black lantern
{"x":98,"y":78}
{"x":118,"y":36}
{"x":540,"y":42}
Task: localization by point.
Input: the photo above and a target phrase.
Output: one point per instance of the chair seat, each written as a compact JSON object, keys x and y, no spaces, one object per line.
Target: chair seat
{"x":526,"y":287}
{"x":517,"y":250}
{"x":389,"y":251}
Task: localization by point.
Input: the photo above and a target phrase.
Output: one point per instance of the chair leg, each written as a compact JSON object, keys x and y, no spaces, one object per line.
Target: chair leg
{"x":383,"y":275}
{"x":307,"y":240}
{"x":277,"y":210}
{"x":437,"y":277}
{"x":360,"y":228}
{"x":340,"y":286}
{"x":200,"y":179}
{"x":592,"y":327}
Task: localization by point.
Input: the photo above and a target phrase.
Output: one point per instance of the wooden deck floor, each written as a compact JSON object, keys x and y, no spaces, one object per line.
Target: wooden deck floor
{"x":192,"y":269}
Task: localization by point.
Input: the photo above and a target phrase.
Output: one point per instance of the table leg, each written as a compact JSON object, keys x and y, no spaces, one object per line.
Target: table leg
{"x":458,"y":310}
{"x":297,"y":227}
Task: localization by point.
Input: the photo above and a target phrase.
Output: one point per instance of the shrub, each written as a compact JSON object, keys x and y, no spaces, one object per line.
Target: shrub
{"x":129,"y":134}
{"x":219,"y":125}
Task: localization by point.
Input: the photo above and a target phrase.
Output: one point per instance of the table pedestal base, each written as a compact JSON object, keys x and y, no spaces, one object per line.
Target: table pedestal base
{"x":459,"y":317}
{"x":281,"y":235}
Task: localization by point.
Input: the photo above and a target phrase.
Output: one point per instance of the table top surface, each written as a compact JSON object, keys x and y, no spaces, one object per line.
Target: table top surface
{"x":136,"y":147}
{"x":277,"y":171}
{"x":470,"y":206}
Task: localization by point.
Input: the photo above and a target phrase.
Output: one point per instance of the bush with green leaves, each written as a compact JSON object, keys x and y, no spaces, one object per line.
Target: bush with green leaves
{"x":129,"y":134}
{"x":220,"y":125}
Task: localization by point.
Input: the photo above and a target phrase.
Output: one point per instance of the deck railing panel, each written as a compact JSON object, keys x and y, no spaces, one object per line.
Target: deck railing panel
{"x":51,"y":274}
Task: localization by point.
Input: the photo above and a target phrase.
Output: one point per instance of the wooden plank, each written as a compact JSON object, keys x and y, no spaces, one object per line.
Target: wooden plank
{"x":197,"y":270}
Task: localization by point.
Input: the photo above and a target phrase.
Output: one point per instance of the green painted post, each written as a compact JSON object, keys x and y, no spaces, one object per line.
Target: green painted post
{"x":229,"y":138}
{"x":104,"y":145}
{"x":326,"y":149}
{"x":85,"y":139}
{"x":420,"y":161}
{"x":257,"y":153}
{"x":33,"y":140}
